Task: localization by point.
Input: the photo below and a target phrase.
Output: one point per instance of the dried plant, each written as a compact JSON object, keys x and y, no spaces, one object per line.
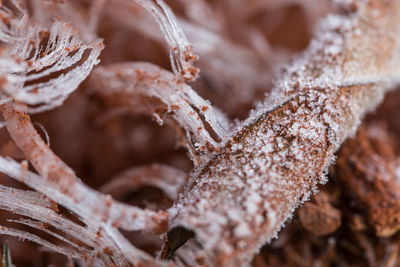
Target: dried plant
{"x":247,"y":177}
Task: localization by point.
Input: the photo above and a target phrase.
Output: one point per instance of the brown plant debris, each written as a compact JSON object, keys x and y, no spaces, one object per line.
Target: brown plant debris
{"x":215,"y":183}
{"x":368,"y":167}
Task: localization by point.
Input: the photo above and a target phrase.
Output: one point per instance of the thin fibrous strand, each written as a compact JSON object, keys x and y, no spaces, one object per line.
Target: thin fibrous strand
{"x":232,"y":68}
{"x":17,"y":21}
{"x":28,"y":66}
{"x":135,"y":84}
{"x":225,"y":62}
{"x":181,"y":55}
{"x":38,"y":240}
{"x":241,"y":197}
{"x":28,"y":197}
{"x":30,"y":204}
{"x":47,"y":216}
{"x":95,"y":13}
{"x":39,"y":226}
{"x":98,"y":234}
{"x":166,"y":178}
{"x":71,"y":11}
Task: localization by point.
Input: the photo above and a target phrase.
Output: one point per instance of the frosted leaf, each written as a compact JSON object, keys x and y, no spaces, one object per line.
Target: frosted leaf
{"x":133,"y":85}
{"x":42,"y":68}
{"x":239,"y":199}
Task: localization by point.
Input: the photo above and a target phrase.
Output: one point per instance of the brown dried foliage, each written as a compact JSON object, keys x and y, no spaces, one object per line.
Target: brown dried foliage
{"x":364,"y":188}
{"x":368,"y":167}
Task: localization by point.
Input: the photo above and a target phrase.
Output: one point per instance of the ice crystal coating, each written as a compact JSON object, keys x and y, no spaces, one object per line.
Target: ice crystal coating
{"x":241,"y":198}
